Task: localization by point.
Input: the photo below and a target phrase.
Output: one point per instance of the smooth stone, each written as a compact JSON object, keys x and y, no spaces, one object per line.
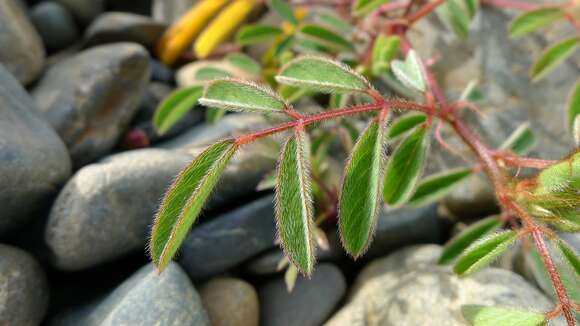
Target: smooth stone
{"x":84,"y":11}
{"x":162,"y":73}
{"x":146,"y":298}
{"x":22,"y":50}
{"x":230,"y":302}
{"x":401,"y":227}
{"x":55,"y":25}
{"x":229,"y":239}
{"x":34,"y":162}
{"x":23,"y":288}
{"x":91,"y":97}
{"x":501,"y":65}
{"x":168,"y":11}
{"x":113,"y":27}
{"x":310,"y":303}
{"x":409,"y":288}
{"x":105,"y":211}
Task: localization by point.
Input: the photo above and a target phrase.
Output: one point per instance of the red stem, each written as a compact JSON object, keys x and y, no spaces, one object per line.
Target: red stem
{"x":326,"y":115}
{"x":510,"y":4}
{"x":424,"y":11}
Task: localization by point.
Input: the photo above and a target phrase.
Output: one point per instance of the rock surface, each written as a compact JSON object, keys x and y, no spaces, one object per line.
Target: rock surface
{"x":230,"y":302}
{"x":91,"y":97}
{"x":22,"y":51}
{"x":23,"y":288}
{"x":408,"y":288}
{"x":168,"y":11}
{"x":106,"y":209}
{"x":146,"y":298}
{"x":55,"y":25}
{"x":34,"y":162}
{"x":113,"y":27}
{"x":310,"y":302}
{"x":229,"y":239}
{"x":83,"y":10}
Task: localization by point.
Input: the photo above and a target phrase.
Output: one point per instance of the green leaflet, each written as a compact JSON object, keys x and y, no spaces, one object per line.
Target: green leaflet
{"x":521,"y":141}
{"x":574,"y":105}
{"x":258,"y":33}
{"x":321,"y":74}
{"x":294,"y":210}
{"x":533,"y":20}
{"x":325,"y":37}
{"x":496,"y":316}
{"x":385,"y":49}
{"x":284,"y":10}
{"x":236,"y":95}
{"x":471,"y":234}
{"x":405,"y":167}
{"x":483,"y":252}
{"x":410,"y":72}
{"x":184,"y":200}
{"x":405,"y":123}
{"x":553,"y":56}
{"x":437,"y":186}
{"x":174,"y":107}
{"x":560,"y":178}
{"x":244,"y":62}
{"x":211,"y":73}
{"x":570,"y":256}
{"x":363,"y":7}
{"x":360,"y":197}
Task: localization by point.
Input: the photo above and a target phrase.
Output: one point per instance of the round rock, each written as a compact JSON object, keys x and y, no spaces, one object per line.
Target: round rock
{"x":23,"y":288}
{"x":112,"y":27}
{"x":230,"y":302}
{"x":146,"y":298}
{"x":55,"y":25}
{"x":84,"y":11}
{"x":408,"y":288}
{"x":310,"y":303}
{"x":22,"y":50}
{"x":91,"y":97}
{"x":34,"y":162}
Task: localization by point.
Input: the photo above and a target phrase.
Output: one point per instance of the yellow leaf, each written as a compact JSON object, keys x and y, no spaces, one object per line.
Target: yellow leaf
{"x":221,"y":27}
{"x":180,"y":35}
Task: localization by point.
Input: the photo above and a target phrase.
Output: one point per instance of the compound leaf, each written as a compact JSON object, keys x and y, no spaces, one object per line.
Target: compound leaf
{"x":361,"y":189}
{"x":174,"y":107}
{"x":455,"y":247}
{"x":237,"y":95}
{"x":495,"y":316}
{"x":184,"y":200}
{"x":483,"y":252}
{"x":405,"y":167}
{"x":294,"y":210}
{"x":553,"y":56}
{"x":384,"y":51}
{"x":322,"y":74}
